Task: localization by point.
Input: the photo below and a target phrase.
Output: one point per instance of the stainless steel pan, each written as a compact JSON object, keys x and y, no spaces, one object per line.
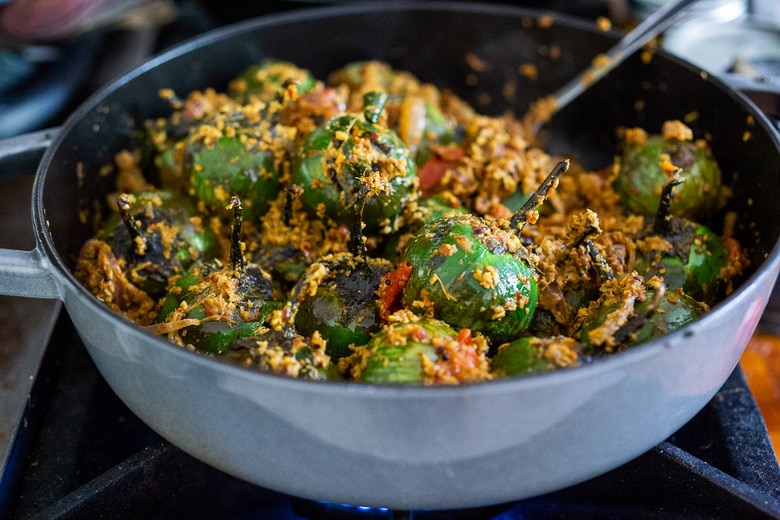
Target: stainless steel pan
{"x":417,"y":447}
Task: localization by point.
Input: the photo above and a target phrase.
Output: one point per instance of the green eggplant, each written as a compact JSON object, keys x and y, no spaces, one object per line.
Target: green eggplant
{"x":470,"y":275}
{"x":640,"y":177}
{"x":157,"y":235}
{"x":338,"y":294}
{"x":420,"y":351}
{"x":213,"y":304}
{"x":349,"y":151}
{"x":228,"y":167}
{"x":337,"y":297}
{"x":426,"y":210}
{"x":686,"y":254}
{"x":475,"y":274}
{"x":266,"y":79}
{"x":534,"y":355}
{"x":284,"y":353}
{"x":356,"y":75}
{"x":658,"y":313}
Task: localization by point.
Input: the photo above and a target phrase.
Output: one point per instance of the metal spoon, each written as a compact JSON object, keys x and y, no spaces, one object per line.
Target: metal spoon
{"x":542,"y":110}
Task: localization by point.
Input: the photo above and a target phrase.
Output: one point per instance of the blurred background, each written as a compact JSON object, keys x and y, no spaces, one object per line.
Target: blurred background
{"x":54,"y":53}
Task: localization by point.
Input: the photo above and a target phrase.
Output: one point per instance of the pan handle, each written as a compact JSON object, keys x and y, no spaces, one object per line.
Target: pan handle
{"x":20,"y":155}
{"x":26,"y":273}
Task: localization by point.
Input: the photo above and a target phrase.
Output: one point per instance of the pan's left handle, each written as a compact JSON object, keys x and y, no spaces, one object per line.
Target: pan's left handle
{"x":20,"y":155}
{"x":29,"y":274}
{"x":26,"y":273}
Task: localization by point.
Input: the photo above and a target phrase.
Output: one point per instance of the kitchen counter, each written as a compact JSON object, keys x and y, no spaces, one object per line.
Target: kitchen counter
{"x":761,"y":364}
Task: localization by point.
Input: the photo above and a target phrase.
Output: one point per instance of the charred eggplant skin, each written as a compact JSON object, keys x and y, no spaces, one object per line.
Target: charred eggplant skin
{"x":471,"y":277}
{"x":283,"y":353}
{"x":171,"y":241}
{"x":343,"y":303}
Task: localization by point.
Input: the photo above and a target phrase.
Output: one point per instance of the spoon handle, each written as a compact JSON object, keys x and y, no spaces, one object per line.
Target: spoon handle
{"x":650,"y":27}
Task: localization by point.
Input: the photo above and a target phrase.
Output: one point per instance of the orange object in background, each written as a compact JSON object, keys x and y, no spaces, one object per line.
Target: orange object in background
{"x":761,"y":365}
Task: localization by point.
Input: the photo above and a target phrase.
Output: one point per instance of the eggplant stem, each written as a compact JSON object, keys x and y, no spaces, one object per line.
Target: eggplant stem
{"x":520,"y":217}
{"x":357,"y":244}
{"x":605,"y":271}
{"x":123,"y":204}
{"x":237,"y":260}
{"x":662,"y":223}
{"x":291,"y":192}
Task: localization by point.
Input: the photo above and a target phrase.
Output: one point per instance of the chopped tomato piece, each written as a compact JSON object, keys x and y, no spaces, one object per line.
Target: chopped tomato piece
{"x":390,"y":289}
{"x":431,"y":173}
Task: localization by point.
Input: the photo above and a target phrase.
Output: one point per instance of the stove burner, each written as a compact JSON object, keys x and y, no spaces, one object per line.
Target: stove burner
{"x":319,"y":510}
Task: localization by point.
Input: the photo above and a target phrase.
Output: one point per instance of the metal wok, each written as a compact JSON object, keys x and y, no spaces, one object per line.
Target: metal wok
{"x":416,"y":447}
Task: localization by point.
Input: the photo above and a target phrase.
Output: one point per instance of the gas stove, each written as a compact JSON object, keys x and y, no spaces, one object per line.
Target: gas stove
{"x":71,"y":449}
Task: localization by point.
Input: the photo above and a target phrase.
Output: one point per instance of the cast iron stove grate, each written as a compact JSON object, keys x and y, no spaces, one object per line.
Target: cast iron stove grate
{"x":83,"y":454}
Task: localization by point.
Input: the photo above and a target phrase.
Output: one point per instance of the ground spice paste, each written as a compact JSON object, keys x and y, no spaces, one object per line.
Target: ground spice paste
{"x":375,"y":228}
